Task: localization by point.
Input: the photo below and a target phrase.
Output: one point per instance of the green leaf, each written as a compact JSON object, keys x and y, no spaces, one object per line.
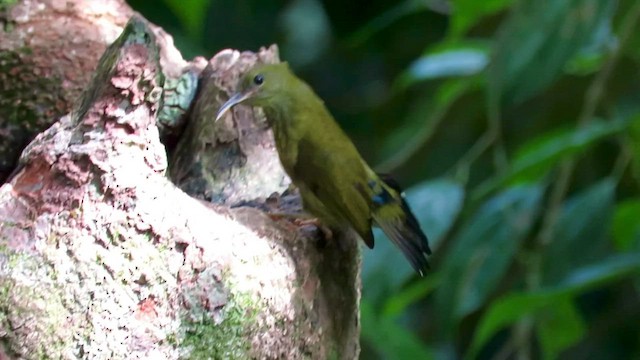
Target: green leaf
{"x":483,"y":250}
{"x":580,"y":235}
{"x":447,"y":60}
{"x":401,"y":300}
{"x":536,"y":157}
{"x":307,"y":32}
{"x":191,"y":13}
{"x":436,"y":205}
{"x":422,"y":121}
{"x":506,"y":311}
{"x":559,"y":327}
{"x":633,"y":142}
{"x":607,"y":270}
{"x":533,"y":160}
{"x":391,"y":340}
{"x":593,"y":54}
{"x":467,"y":13}
{"x":626,"y":227}
{"x":536,"y":42}
{"x":512,"y":307}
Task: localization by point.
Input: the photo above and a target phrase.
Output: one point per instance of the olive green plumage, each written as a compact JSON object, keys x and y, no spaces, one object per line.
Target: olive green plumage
{"x":335,"y":183}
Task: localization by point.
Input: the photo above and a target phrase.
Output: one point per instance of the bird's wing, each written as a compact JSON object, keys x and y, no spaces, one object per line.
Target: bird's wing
{"x":336,"y":175}
{"x":392,"y":213}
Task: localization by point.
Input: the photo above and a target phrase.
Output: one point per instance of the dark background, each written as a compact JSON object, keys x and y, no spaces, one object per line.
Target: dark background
{"x":514,"y":125}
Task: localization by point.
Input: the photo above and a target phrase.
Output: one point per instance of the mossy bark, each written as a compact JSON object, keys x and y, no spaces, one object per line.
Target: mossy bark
{"x":102,"y":256}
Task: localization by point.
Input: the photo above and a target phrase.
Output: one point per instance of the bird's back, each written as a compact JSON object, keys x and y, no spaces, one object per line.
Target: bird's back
{"x":330,"y":168}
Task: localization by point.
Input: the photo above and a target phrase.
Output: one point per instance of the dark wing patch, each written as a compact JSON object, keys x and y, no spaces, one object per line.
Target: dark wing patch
{"x":401,"y":225}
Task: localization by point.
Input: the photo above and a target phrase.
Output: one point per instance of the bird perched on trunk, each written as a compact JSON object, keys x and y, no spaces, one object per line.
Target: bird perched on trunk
{"x":335,"y":183}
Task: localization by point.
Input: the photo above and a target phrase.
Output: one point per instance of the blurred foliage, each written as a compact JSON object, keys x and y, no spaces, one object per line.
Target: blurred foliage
{"x":516,"y":125}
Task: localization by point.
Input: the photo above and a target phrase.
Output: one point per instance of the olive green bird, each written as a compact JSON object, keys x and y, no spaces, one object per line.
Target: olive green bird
{"x":335,"y":183}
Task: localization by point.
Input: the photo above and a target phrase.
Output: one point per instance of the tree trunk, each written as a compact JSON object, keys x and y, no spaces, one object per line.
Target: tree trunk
{"x":102,"y":256}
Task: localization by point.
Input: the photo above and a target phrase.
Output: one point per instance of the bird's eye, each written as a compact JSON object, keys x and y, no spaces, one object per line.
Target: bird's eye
{"x":258,"y":80}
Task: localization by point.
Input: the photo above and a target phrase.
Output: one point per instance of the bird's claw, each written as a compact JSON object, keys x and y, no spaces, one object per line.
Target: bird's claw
{"x":327,"y":233}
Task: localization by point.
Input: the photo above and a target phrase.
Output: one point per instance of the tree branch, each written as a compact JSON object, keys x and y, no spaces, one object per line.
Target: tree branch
{"x":102,"y":256}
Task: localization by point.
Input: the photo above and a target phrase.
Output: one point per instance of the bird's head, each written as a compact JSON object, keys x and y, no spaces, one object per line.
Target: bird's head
{"x":260,"y":86}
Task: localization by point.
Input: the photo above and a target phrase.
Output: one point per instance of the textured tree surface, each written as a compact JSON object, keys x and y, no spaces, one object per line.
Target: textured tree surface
{"x":102,"y":256}
{"x":48,"y":51}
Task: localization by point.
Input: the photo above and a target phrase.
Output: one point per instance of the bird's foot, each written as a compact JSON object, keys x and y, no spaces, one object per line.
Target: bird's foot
{"x":327,"y":233}
{"x":302,"y":220}
{"x":277,"y":216}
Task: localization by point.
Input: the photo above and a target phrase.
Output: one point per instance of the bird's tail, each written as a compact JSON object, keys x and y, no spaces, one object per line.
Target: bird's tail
{"x":393,"y":215}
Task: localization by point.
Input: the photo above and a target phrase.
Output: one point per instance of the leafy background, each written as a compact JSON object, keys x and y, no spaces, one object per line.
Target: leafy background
{"x":515,"y":126}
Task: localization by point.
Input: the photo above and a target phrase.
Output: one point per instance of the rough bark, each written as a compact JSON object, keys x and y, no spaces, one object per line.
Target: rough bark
{"x":48,"y":51}
{"x":102,"y":256}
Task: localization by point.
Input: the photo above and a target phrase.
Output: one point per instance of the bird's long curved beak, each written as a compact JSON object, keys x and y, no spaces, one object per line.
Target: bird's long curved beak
{"x":233,"y":100}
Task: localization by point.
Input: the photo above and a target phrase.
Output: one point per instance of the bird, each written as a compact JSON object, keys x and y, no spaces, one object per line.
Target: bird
{"x":335,"y":183}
